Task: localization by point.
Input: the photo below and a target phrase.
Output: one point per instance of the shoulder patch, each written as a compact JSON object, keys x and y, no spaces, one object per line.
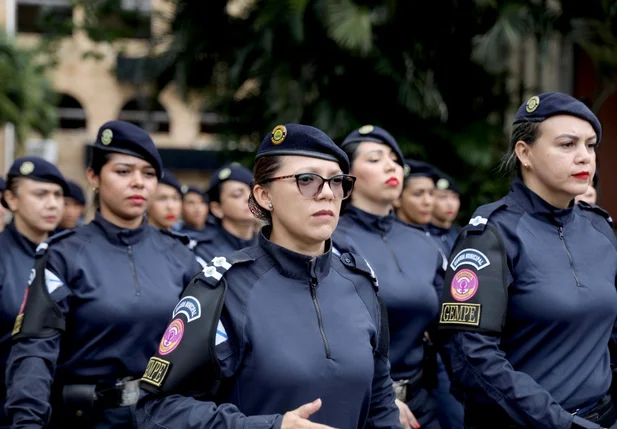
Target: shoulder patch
{"x":598,"y":210}
{"x":42,"y":248}
{"x":214,"y":270}
{"x":361,"y":265}
{"x":480,"y":218}
{"x":186,"y":240}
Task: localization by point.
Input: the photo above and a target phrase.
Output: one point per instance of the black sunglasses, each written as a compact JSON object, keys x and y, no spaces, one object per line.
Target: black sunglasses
{"x":311,"y":184}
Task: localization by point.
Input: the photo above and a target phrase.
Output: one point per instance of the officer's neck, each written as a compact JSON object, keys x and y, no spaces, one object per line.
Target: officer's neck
{"x":376,"y":208}
{"x":444,"y":224}
{"x":131,"y":223}
{"x":244,"y":230}
{"x":32,"y":234}
{"x":560,"y":200}
{"x":289,"y":241}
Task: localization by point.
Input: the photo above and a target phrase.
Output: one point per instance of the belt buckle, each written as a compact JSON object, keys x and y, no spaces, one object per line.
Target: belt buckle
{"x":400,"y":389}
{"x":129,"y":392}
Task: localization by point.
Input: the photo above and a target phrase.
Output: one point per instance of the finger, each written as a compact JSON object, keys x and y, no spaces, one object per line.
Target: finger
{"x":412,"y":419}
{"x":306,"y":410}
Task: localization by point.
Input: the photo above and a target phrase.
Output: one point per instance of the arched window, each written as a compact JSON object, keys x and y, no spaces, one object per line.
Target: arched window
{"x":71,"y":115}
{"x":147,"y":114}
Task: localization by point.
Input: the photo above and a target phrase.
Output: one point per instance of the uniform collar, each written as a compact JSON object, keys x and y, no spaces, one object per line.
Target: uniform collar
{"x":26,"y":245}
{"x":534,"y":204}
{"x":370,"y":221}
{"x":235,"y":242}
{"x":295,"y":265}
{"x":436,"y":230}
{"x":118,"y":235}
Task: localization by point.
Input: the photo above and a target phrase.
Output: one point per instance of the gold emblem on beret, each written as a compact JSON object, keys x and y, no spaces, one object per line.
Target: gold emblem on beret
{"x":366,"y":129}
{"x":106,"y":136}
{"x":26,"y":168}
{"x":442,"y":184}
{"x":279,"y":134}
{"x":407,"y":170}
{"x":532,"y":104}
{"x":224,"y":173}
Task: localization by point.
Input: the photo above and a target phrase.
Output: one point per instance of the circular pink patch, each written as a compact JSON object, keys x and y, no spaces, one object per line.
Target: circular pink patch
{"x":464,"y":285}
{"x":172,"y":337}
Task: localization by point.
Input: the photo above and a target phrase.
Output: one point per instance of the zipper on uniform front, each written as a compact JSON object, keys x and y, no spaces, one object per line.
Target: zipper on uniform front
{"x":563,"y":240}
{"x":137,"y":288}
{"x":383,"y":237}
{"x":313,"y":286}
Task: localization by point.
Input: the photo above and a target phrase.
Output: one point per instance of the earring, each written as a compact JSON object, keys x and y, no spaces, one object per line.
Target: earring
{"x":95,"y":190}
{"x":270,"y":206}
{"x":527,"y":166}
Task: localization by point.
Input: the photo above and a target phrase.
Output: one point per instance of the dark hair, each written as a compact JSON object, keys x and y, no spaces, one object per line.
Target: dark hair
{"x":12,"y":184}
{"x":351,"y":150}
{"x":214,"y":194}
{"x":264,"y":169}
{"x":99,"y":159}
{"x":528,"y":132}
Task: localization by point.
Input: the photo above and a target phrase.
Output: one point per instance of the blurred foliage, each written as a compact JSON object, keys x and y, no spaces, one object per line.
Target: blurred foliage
{"x":26,"y":97}
{"x":432,"y":73}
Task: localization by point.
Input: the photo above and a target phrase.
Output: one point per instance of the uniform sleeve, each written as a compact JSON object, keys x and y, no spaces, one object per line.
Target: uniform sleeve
{"x":32,"y":361}
{"x":384,"y":412}
{"x":182,"y":412}
{"x":480,"y":366}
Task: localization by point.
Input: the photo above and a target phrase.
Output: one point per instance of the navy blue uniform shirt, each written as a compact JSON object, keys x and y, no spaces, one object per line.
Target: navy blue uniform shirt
{"x":297,"y":330}
{"x":409,"y":268}
{"x":116,"y":288}
{"x":216,"y":241}
{"x":444,"y":237}
{"x":16,"y":262}
{"x":552,"y":355}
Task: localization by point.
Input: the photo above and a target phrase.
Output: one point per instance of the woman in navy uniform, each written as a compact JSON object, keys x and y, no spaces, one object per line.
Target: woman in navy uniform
{"x":299,"y":339}
{"x":445,"y":211}
{"x":529,"y":301}
{"x":74,"y":205}
{"x":406,"y":261}
{"x":195,"y":210}
{"x":415,"y":205}
{"x":99,"y":298}
{"x":235,"y":224}
{"x":35,"y":197}
{"x":164,"y":212}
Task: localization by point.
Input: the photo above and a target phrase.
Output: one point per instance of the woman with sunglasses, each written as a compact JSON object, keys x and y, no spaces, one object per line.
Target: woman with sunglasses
{"x":406,"y":261}
{"x":298,"y":341}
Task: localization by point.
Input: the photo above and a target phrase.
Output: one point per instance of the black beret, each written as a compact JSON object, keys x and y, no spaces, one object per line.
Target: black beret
{"x":124,"y":137}
{"x":446,"y":183}
{"x":415,"y":168}
{"x":302,"y":140}
{"x":541,"y":107}
{"x":170,"y":179}
{"x":2,"y":184}
{"x":38,"y":169}
{"x":371,"y":133}
{"x":76,"y":193}
{"x":230,"y":172}
{"x":187,"y":189}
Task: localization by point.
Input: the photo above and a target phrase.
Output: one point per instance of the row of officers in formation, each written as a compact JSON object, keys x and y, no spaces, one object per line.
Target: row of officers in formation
{"x":327,"y":288}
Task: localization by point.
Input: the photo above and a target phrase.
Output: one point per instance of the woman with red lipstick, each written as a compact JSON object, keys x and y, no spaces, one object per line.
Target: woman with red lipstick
{"x":406,"y":261}
{"x":35,"y":197}
{"x":167,"y":203}
{"x":98,"y":299}
{"x":300,"y":341}
{"x":529,"y":308}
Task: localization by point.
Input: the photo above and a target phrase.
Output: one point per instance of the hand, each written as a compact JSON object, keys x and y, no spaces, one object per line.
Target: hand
{"x":406,"y":416}
{"x":298,"y":418}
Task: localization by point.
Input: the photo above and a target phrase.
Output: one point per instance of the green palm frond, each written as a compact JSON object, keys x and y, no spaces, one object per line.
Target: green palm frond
{"x":349,"y":25}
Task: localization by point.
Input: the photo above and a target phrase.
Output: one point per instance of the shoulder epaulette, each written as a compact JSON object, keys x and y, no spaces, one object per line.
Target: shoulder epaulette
{"x":214,"y":270}
{"x":42,"y":248}
{"x":185,"y":239}
{"x":359,"y":264}
{"x":482,"y":215}
{"x":598,"y":210}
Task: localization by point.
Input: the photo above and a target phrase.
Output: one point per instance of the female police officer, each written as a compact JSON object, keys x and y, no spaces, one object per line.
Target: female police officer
{"x":530,"y":304}
{"x":406,"y":261}
{"x":167,"y":202}
{"x":416,"y":203}
{"x":35,"y":197}
{"x":445,"y":212}
{"x":99,"y":298}
{"x":195,"y":210}
{"x":299,"y":325}
{"x":235,"y":226}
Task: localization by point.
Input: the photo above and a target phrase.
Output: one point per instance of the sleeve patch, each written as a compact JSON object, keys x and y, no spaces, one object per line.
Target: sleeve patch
{"x":221,"y":334}
{"x":156,"y":371}
{"x":52,"y":282}
{"x":458,"y":313}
